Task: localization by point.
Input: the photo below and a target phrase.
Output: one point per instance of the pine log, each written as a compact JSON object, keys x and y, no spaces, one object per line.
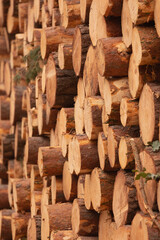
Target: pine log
{"x":87,"y":192}
{"x":32,"y":116}
{"x":22,"y":15}
{"x":36,"y":179}
{"x":127,"y":25}
{"x":69,"y":183}
{"x":7,"y":148}
{"x":143,"y":228}
{"x":139,"y":75}
{"x":52,"y":36}
{"x":106,"y":226}
{"x":62,"y":235}
{"x":102,"y":189}
{"x":144,"y":45}
{"x":3,"y":171}
{"x":30,"y":22}
{"x":31,"y":101}
{"x":115,"y":133}
{"x":4,"y":204}
{"x":81,"y":42}
{"x":46,"y":17}
{"x":149,"y":112}
{"x":105,"y":122}
{"x":18,"y":168}
{"x":129,"y":112}
{"x":52,"y":4}
{"x":156,"y":16}
{"x":65,"y":56}
{"x":35,"y":203}
{"x":110,"y":8}
{"x":32,"y":147}
{"x":84,"y":222}
{"x":65,"y":142}
{"x":12,"y":22}
{"x":49,"y":157}
{"x":56,"y":17}
{"x":16,"y":112}
{"x":81,"y":186}
{"x":150,"y":161}
{"x":5,"y":224}
{"x":81,"y":92}
{"x":37,"y":36}
{"x":85,"y":9}
{"x":5,"y":108}
{"x":57,"y":193}
{"x":21,"y":195}
{"x":5,"y":127}
{"x":125,"y":202}
{"x":141,"y":11}
{"x":158,"y":195}
{"x":24,"y":128}
{"x":112,"y":57}
{"x":34,"y":228}
{"x":79,"y":117}
{"x":123,"y":232}
{"x":3,"y":12}
{"x":87,"y":238}
{"x":90,"y":73}
{"x":61,"y":86}
{"x":125,"y":152}
{"x":18,"y":143}
{"x":19,"y":225}
{"x":93,"y":116}
{"x":7,"y":78}
{"x":83,"y":149}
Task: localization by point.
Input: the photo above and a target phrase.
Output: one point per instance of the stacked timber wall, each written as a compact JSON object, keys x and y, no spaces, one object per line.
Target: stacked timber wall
{"x":71,"y":137}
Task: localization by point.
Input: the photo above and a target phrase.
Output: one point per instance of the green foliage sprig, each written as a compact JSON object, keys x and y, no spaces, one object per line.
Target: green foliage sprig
{"x":155,"y":145}
{"x":146,"y":175}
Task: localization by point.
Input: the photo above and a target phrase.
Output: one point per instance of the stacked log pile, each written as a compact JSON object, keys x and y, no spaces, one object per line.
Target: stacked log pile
{"x":79,"y":103}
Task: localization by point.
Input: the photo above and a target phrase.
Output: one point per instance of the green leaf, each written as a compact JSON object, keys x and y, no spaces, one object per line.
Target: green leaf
{"x":155,"y":145}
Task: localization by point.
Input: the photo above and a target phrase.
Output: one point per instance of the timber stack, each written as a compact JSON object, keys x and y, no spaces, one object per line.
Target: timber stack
{"x":79,"y":104}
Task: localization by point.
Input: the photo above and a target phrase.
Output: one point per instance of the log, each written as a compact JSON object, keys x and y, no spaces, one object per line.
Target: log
{"x":61,"y":86}
{"x":30,"y":23}
{"x":106,"y":226}
{"x":81,"y":92}
{"x":3,"y":12}
{"x":32,"y":116}
{"x":149,"y":112}
{"x":36,"y":179}
{"x":4,"y":204}
{"x":56,"y":17}
{"x":12,"y":22}
{"x":111,"y":8}
{"x":93,"y":116}
{"x":61,"y":235}
{"x":36,"y":203}
{"x":81,"y":42}
{"x":125,"y":152}
{"x":52,"y":4}
{"x":5,"y":126}
{"x":158,"y":194}
{"x":57,"y":189}
{"x":7,"y":78}
{"x":65,"y":142}
{"x":87,"y":192}
{"x":81,"y":186}
{"x":79,"y":117}
{"x":5,"y":109}
{"x":150,"y":161}
{"x":16,"y":112}
{"x":5,"y":224}
{"x":102,"y":189}
{"x":69,"y":183}
{"x":139,"y":75}
{"x":113,"y":62}
{"x":129,"y":112}
{"x":156,"y":17}
{"x":34,"y":228}
{"x":90,"y":73}
{"x":24,"y":128}
{"x":115,"y":133}
{"x":19,"y":225}
{"x":85,"y":9}
{"x":49,"y":157}
{"x":84,"y":222}
{"x":18,"y":143}
{"x":144,"y":45}
{"x":52,"y":36}
{"x":125,"y":204}
{"x":7,"y":148}
{"x":32,"y":146}
{"x":46,"y":17}
{"x":141,"y":11}
{"x":18,"y":169}
{"x":83,"y":149}
{"x":126,"y":23}
{"x":123,"y":232}
{"x":65,"y":56}
{"x":22,"y":195}
{"x":142,"y":227}
{"x":105,"y":122}
{"x":22,"y":15}
{"x":3,"y":172}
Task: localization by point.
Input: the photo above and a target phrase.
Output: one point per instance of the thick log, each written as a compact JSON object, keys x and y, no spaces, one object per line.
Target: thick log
{"x":65,"y":56}
{"x":115,"y":133}
{"x":24,"y":128}
{"x":5,"y":126}
{"x":16,"y":112}
{"x":32,"y":146}
{"x":52,"y":4}
{"x":69,"y":183}
{"x":143,"y":227}
{"x":18,"y":143}
{"x":62,"y":235}
{"x":34,"y":228}
{"x":83,"y":149}
{"x":32,"y":116}
{"x":79,"y":117}
{"x":125,"y":152}
{"x":84,"y":222}
{"x":22,"y":195}
{"x":90,"y":73}
{"x":81,"y":92}
{"x":36,"y":197}
{"x":105,"y":122}
{"x":124,"y":197}
{"x":111,"y":8}
{"x":156,"y":16}
{"x":56,"y":17}
{"x":5,"y":224}
{"x":57,"y":193}
{"x":3,"y":171}
{"x":46,"y":17}
{"x":81,"y":186}
{"x":144,"y":45}
{"x":129,"y":112}
{"x":65,"y":142}
{"x":123,"y":232}
{"x":112,"y":57}
{"x":87,"y":192}
{"x":36,"y":179}
{"x":106,"y":226}
{"x":4,"y":204}
{"x":61,"y":86}
{"x":49,"y":157}
{"x":52,"y":36}
{"x":7,"y":148}
{"x":102,"y":189}
{"x":12,"y":22}
{"x":5,"y":109}
{"x":22,"y":15}
{"x":141,"y":11}
{"x":85,"y":9}
{"x":19,"y":225}
{"x":81,"y":42}
{"x":93,"y":116}
{"x":7,"y":78}
{"x":30,"y":23}
{"x":18,"y":168}
{"x":3,"y":12}
{"x":149,"y":112}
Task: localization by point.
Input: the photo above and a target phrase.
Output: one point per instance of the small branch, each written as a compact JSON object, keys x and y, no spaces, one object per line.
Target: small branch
{"x":139,"y":168}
